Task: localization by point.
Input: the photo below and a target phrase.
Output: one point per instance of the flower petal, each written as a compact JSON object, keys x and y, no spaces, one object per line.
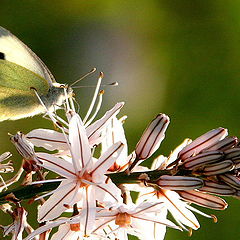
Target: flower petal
{"x":178,"y":208}
{"x":56,"y":204}
{"x":48,"y":139}
{"x":107,"y":159}
{"x":89,"y":210}
{"x":217,"y":188}
{"x":57,"y":165}
{"x":80,"y":148}
{"x":95,"y":129}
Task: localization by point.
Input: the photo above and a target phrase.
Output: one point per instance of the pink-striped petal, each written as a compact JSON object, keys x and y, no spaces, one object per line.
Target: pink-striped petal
{"x":57,"y":165}
{"x":56,"y":204}
{"x":218,"y":168}
{"x":231,"y":180}
{"x":107,"y":159}
{"x":178,"y":208}
{"x":202,"y":159}
{"x":89,"y":210}
{"x":95,"y":129}
{"x":48,"y":139}
{"x":80,"y":148}
{"x":223,"y":145}
{"x":217,"y":188}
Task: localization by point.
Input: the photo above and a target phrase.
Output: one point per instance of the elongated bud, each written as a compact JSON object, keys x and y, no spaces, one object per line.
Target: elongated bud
{"x":236,"y":163}
{"x":231,"y":180}
{"x":23,"y":146}
{"x":26,"y":150}
{"x":218,"y":168}
{"x":179,"y":182}
{"x":217,"y":188}
{"x":202,"y":159}
{"x":203,"y":199}
{"x":6,"y":167}
{"x":233,"y":153}
{"x":223,"y":145}
{"x":206,"y":140}
{"x":152,"y":137}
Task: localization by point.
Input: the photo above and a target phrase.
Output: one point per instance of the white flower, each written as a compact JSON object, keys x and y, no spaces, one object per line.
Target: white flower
{"x":119,"y":221}
{"x":84,"y":178}
{"x":53,"y":140}
{"x":17,"y":227}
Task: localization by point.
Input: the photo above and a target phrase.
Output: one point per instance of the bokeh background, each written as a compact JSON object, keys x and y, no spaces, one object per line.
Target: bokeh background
{"x":180,"y":57}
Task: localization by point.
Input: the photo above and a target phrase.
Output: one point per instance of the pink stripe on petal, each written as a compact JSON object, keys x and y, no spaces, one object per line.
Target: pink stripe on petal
{"x":57,"y":165}
{"x":89,"y":210}
{"x":94,"y":130}
{"x":49,"y":139}
{"x":55,"y":205}
{"x":80,"y":148}
{"x":107,"y":159}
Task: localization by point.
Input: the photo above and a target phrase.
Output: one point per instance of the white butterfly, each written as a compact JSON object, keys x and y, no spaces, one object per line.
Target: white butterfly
{"x":21,"y":70}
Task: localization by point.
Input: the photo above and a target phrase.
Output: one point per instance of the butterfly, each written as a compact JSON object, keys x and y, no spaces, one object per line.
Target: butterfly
{"x":22,"y":75}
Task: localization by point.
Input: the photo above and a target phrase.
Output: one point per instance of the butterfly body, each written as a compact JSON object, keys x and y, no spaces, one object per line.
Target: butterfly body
{"x":22,"y":72}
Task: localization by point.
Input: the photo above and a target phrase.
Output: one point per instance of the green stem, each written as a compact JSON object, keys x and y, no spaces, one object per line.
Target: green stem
{"x":31,"y":191}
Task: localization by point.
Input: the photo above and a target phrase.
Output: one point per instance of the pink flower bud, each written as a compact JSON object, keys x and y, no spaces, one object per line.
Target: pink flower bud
{"x":217,"y":188}
{"x":179,"y":182}
{"x":218,"y":168}
{"x":152,"y":137}
{"x":203,"y":199}
{"x":202,"y":159}
{"x":206,"y":140}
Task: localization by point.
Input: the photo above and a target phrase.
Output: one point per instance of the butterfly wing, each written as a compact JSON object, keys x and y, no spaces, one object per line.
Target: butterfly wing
{"x":14,"y":50}
{"x":17,"y":100}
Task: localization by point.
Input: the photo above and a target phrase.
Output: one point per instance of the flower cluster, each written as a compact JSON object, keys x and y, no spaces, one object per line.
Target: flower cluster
{"x":90,"y":197}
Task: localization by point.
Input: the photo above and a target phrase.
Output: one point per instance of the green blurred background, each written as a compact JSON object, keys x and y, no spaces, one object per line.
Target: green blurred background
{"x":180,"y":57}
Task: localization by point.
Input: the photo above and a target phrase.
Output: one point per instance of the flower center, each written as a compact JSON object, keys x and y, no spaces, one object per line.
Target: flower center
{"x":123,"y":220}
{"x":86,"y":176}
{"x":75,"y":227}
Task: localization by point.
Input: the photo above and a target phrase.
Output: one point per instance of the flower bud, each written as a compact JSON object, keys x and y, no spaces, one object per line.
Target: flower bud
{"x":233,"y":153}
{"x":179,"y":182}
{"x":26,"y":150}
{"x":218,"y":168}
{"x":23,"y":146}
{"x":217,"y":188}
{"x":203,"y":199}
{"x":223,"y":145}
{"x":202,"y":159}
{"x":231,"y":180}
{"x":152,"y":137}
{"x":206,"y":140}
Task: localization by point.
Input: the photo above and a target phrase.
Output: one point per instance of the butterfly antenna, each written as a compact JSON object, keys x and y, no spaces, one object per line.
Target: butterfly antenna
{"x":84,"y":76}
{"x":102,"y":85}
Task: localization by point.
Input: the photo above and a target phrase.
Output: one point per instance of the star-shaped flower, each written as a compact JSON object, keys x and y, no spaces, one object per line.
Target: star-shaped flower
{"x":83,"y":180}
